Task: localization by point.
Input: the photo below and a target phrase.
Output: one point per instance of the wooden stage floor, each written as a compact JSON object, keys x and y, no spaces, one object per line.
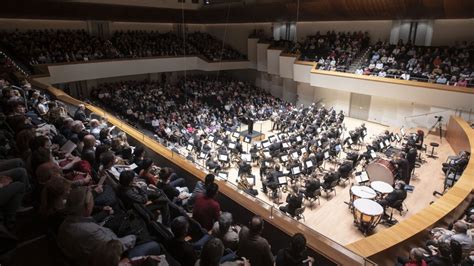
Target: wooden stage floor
{"x":333,"y":218}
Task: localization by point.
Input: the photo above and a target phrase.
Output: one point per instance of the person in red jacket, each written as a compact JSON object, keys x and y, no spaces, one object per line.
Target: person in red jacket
{"x":206,"y":209}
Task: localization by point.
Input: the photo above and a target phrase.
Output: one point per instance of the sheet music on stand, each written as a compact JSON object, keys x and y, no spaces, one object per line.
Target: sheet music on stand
{"x":223,"y":158}
{"x":236,"y":135}
{"x":295,"y":170}
{"x":223,"y":175}
{"x":282,"y":180}
{"x":246,"y":157}
{"x":309,"y":163}
{"x":362,"y":177}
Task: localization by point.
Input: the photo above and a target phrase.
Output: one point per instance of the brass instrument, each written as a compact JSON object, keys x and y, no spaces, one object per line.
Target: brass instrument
{"x":243,"y":183}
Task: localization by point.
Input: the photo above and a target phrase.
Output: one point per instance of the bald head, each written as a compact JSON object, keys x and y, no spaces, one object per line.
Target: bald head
{"x":256,"y":225}
{"x":460,"y":227}
{"x":89,"y":141}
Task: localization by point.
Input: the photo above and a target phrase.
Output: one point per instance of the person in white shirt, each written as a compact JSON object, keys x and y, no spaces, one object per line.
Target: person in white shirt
{"x":379,"y":65}
{"x":382,"y":74}
{"x":441,"y":80}
{"x":359,"y":71}
{"x":405,"y":76}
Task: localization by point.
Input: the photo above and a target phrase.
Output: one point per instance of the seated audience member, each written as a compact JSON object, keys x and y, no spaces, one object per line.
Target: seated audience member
{"x":79,"y":235}
{"x":144,"y":171}
{"x":226,"y":232}
{"x":295,"y":254}
{"x":178,"y":247}
{"x":417,"y":258}
{"x":131,"y":192}
{"x":170,"y":184}
{"x":11,"y":195}
{"x":440,"y":256}
{"x":53,"y":201}
{"x":212,"y":252}
{"x":206,"y":209}
{"x":459,"y":234}
{"x":253,"y":246}
{"x":80,"y":113}
{"x":111,"y":253}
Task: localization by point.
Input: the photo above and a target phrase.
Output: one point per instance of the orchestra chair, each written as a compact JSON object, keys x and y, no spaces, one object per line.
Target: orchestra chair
{"x":331,"y":188}
{"x":397,"y":205}
{"x":452,"y":176}
{"x":299,"y":213}
{"x":344,"y":178}
{"x":311,"y":199}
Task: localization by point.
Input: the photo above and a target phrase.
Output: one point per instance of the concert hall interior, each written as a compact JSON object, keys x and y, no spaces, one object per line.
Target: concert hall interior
{"x":237,"y":132}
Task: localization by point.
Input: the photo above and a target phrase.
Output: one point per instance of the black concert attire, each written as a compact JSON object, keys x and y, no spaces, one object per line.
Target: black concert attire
{"x":294,"y":202}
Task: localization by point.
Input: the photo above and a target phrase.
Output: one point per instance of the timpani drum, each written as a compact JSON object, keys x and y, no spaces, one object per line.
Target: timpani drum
{"x":381,"y":170}
{"x":362,"y":192}
{"x":367,"y":214}
{"x":381,"y":187}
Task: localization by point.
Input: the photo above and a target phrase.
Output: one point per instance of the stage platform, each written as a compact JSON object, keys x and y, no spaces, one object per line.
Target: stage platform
{"x":256,"y":135}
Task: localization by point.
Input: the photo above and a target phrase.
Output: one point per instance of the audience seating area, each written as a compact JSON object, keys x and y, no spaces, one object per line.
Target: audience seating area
{"x":173,"y":113}
{"x":103,"y":201}
{"x":58,"y":46}
{"x":442,"y":65}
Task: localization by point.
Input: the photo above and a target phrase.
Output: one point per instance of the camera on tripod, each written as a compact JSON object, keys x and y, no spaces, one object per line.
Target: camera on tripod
{"x":440,"y":117}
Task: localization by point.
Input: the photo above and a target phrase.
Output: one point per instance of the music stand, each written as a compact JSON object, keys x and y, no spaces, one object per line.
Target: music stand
{"x":247,"y":139}
{"x":223,"y":158}
{"x":223,"y":175}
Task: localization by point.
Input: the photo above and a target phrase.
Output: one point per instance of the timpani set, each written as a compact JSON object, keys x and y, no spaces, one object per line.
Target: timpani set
{"x":367,"y":212}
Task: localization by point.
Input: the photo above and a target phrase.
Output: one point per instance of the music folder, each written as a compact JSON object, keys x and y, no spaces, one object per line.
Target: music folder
{"x":362,"y":177}
{"x":298,"y":138}
{"x":223,"y":157}
{"x":381,"y":145}
{"x":246,"y":157}
{"x":398,"y":137}
{"x":202,"y":155}
{"x":231,"y":145}
{"x":211,"y":138}
{"x":265,"y":144}
{"x":219,"y":142}
{"x":326,"y":155}
{"x":191,"y":140}
{"x":236,"y":135}
{"x":295,"y":170}
{"x":338,"y":148}
{"x":294,"y":155}
{"x":350,"y":141}
{"x":284,"y":158}
{"x":319,"y":143}
{"x":250,"y":181}
{"x":303,"y":150}
{"x":189,"y":147}
{"x":282,"y":180}
{"x":267,"y":154}
{"x":247,"y":139}
{"x":272,"y":139}
{"x":309,"y":164}
{"x":387,"y":142}
{"x":373,"y":155}
{"x":68,"y":147}
{"x":402,"y":130}
{"x":285,"y":145}
{"x":223,"y":175}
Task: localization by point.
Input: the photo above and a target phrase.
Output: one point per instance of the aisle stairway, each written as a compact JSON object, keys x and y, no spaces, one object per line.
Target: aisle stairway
{"x":359,"y":61}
